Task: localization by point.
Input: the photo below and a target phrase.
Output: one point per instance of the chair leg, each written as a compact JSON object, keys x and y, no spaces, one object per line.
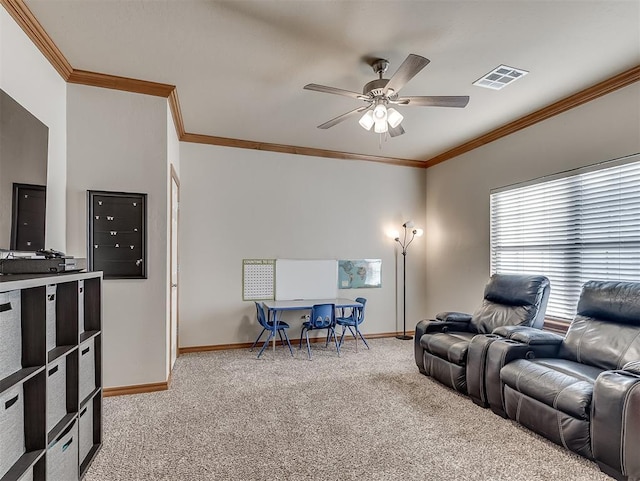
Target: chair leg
{"x":327,"y":341}
{"x":257,"y":339}
{"x":288,"y":343}
{"x":342,"y":336}
{"x":363,"y":339}
{"x":301,"y":334}
{"x":335,"y":338}
{"x":280,"y":336}
{"x":352,"y":332}
{"x":266,"y":343}
{"x":308,"y":345}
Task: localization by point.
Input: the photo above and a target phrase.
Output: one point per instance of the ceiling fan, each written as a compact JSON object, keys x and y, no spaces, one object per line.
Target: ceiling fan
{"x":380,"y":94}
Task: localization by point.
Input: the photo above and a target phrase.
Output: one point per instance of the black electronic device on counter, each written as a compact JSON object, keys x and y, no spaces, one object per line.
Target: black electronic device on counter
{"x":53,"y":265}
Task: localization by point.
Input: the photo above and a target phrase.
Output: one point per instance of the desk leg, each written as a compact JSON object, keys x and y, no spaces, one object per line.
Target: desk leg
{"x":275,"y":329}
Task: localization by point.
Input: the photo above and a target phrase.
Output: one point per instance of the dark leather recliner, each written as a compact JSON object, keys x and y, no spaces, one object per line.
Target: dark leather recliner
{"x":581,"y":391}
{"x":441,"y":345}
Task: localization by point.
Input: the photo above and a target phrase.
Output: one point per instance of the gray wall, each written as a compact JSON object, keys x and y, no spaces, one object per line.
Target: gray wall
{"x":238,"y":204}
{"x":118,"y":142}
{"x":31,"y":81}
{"x":457,"y":230}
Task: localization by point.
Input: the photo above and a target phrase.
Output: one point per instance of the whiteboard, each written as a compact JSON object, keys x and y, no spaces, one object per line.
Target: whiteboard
{"x":306,"y":279}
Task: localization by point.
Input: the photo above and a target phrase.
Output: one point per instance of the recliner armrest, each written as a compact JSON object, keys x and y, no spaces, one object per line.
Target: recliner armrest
{"x":633,"y":367}
{"x":536,"y":337}
{"x":427,"y":326}
{"x":509,"y":331}
{"x":453,"y":316}
{"x":615,"y":415}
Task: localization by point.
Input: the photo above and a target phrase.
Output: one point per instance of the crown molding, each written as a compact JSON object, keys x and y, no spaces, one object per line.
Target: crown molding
{"x":292,"y":149}
{"x":30,"y":25}
{"x":176,"y":112}
{"x":607,"y":86}
{"x":95,"y":79}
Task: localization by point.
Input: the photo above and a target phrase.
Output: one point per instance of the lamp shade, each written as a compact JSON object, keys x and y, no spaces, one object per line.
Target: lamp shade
{"x":380,"y":127}
{"x":367,"y":120}
{"x":394,"y":117}
{"x":380,"y":112}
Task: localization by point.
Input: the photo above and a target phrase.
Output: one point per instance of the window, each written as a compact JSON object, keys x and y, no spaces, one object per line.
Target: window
{"x":573,"y":227}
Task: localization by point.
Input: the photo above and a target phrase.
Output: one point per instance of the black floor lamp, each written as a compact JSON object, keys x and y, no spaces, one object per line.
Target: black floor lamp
{"x":405,"y":244}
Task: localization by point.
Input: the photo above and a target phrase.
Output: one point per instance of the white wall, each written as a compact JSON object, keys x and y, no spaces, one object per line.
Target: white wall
{"x":118,"y":142}
{"x":238,"y":204}
{"x":458,"y":190}
{"x":32,"y":82}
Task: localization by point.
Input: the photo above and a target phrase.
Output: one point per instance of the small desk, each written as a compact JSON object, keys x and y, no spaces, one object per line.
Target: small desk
{"x":276,"y":308}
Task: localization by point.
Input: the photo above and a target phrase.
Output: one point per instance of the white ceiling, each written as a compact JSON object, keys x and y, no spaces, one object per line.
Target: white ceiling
{"x":239,"y":66}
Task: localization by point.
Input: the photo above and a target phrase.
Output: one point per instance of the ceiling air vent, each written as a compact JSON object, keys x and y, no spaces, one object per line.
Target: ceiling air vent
{"x":499,"y":77}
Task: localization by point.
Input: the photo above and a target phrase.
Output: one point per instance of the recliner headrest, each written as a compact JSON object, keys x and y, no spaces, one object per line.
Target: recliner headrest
{"x":611,"y":301}
{"x":515,"y":289}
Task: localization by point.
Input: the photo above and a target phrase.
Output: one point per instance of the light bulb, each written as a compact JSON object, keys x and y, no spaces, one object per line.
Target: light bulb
{"x":394,"y":117}
{"x":380,"y":112}
{"x":418,"y":232}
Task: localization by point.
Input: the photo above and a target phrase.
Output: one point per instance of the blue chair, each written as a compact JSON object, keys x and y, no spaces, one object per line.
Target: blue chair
{"x":323,"y":316}
{"x":353,"y":321}
{"x":268,"y":326}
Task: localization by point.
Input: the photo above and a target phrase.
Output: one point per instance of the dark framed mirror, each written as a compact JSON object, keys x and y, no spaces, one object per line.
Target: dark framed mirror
{"x":24,"y":144}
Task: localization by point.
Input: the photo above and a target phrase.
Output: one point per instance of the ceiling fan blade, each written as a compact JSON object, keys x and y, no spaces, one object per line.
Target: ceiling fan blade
{"x":336,"y":91}
{"x":435,"y":101}
{"x":409,"y":69}
{"x":394,"y":132}
{"x":342,"y":117}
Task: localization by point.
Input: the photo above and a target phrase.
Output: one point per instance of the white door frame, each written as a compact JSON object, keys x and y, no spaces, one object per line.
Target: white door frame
{"x":173,"y":269}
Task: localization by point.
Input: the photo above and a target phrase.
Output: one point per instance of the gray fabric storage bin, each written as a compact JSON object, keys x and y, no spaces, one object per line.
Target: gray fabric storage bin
{"x":11,"y":427}
{"x":85,"y":434}
{"x":62,"y":456}
{"x":51,"y":316}
{"x":87,"y":368}
{"x":28,"y":476}
{"x":10,"y":333}
{"x":56,"y":392}
{"x":81,"y":306}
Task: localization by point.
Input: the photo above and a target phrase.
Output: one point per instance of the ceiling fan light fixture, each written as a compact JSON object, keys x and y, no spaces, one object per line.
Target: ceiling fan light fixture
{"x":380,"y":126}
{"x":380,"y":113}
{"x":366,"y":121}
{"x":394,"y":117}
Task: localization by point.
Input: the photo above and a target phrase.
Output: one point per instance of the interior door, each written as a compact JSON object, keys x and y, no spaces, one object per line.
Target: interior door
{"x":175,"y":197}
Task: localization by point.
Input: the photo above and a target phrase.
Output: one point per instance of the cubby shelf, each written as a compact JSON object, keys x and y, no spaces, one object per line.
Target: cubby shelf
{"x":50,"y":317}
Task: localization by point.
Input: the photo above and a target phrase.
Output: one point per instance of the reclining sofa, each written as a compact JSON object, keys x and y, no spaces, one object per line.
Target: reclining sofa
{"x":452,"y":348}
{"x":581,"y":391}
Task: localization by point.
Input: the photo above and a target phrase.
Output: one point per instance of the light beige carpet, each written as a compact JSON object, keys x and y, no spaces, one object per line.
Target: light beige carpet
{"x":362,"y":416}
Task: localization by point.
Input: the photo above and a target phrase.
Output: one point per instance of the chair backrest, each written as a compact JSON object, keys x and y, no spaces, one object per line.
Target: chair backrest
{"x":606,"y":330}
{"x":358,"y":312}
{"x":262,"y":319}
{"x":512,"y":300}
{"x":322,"y":316}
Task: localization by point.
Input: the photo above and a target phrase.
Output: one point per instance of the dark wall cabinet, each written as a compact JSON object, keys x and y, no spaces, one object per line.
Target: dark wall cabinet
{"x":117,"y":234}
{"x":50,"y":375}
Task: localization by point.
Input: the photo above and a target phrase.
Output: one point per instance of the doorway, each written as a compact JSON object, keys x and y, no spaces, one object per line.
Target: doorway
{"x":173,"y":327}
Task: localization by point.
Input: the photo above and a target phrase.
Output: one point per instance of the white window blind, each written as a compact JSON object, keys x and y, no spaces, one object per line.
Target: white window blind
{"x":572,"y":229}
